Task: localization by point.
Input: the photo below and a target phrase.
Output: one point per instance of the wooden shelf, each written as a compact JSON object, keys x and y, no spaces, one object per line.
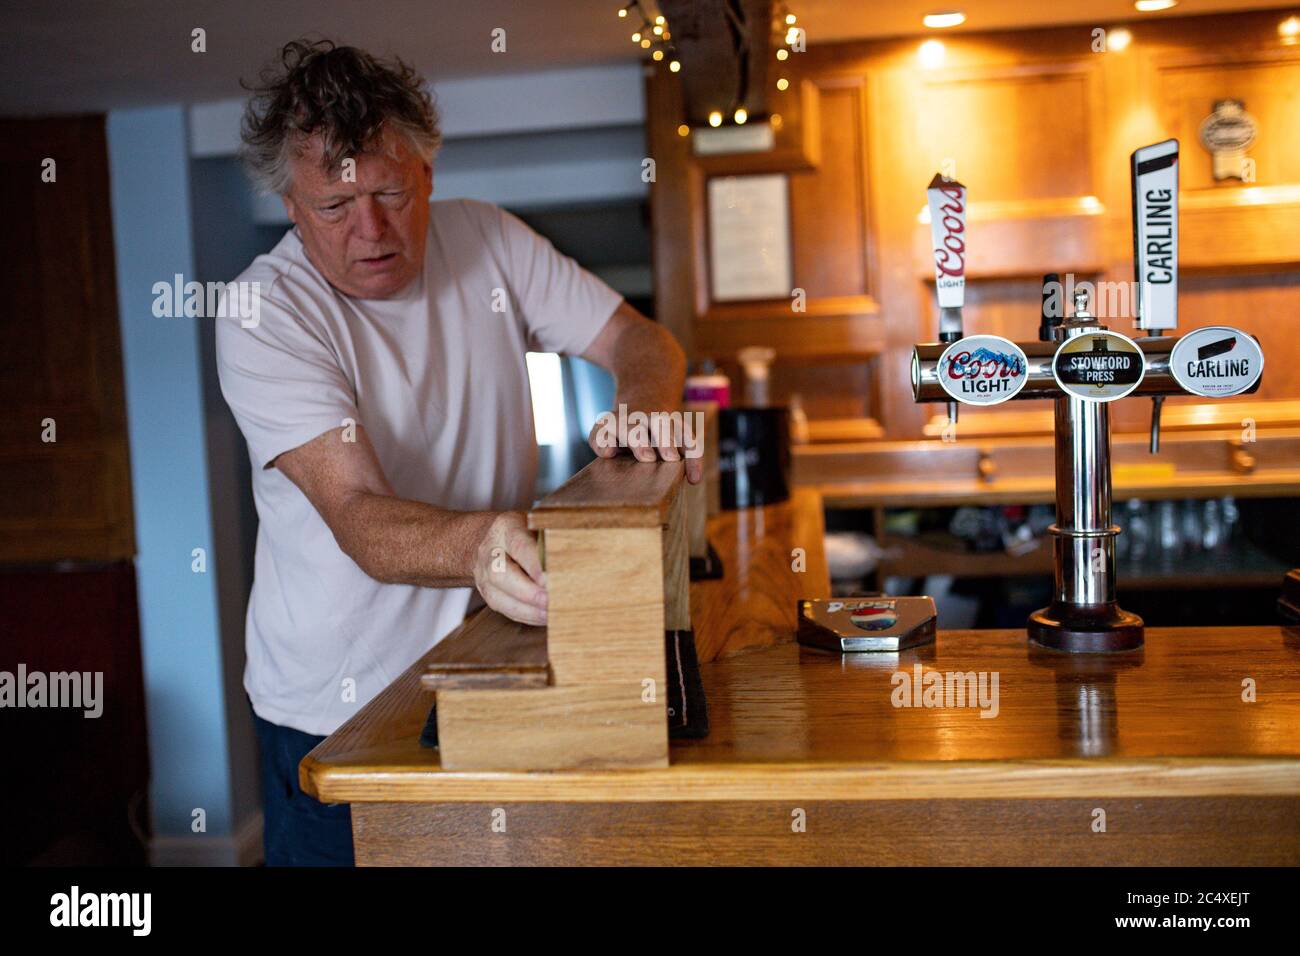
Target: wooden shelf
{"x":1022,"y":470}
{"x":940,"y":553}
{"x":1030,"y":491}
{"x":1245,"y":566}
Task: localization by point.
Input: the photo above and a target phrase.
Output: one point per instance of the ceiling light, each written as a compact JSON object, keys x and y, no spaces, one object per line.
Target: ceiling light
{"x":782,"y":84}
{"x":791,"y":19}
{"x":931,"y":54}
{"x":675,"y":67}
{"x":715,"y":118}
{"x":1289,"y":30}
{"x":1118,"y":39}
{"x":782,"y":53}
{"x":1151,"y":6}
{"x":950,"y":18}
{"x":683,"y":130}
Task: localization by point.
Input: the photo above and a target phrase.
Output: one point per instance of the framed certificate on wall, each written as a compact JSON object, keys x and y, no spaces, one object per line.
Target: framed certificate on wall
{"x":749,"y":238}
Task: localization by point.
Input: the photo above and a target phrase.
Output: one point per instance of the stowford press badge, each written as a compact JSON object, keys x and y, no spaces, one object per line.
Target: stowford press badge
{"x":1216,"y":361}
{"x":983,"y":369}
{"x":1099,"y":366}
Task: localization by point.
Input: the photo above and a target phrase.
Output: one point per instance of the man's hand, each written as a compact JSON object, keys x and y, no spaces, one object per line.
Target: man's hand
{"x":508,"y":572}
{"x":644,"y":446}
{"x":649,"y":371}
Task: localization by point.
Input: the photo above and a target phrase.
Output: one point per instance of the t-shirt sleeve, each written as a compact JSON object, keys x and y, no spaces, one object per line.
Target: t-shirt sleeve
{"x":281,"y":380}
{"x":563,"y":306}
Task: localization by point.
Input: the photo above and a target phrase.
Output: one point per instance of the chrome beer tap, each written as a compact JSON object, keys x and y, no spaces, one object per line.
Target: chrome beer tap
{"x":1083,"y":366}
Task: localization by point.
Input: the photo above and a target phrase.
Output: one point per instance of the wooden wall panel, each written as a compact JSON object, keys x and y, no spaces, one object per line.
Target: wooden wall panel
{"x":60,"y":350}
{"x":996,"y":126}
{"x":1266,"y":306}
{"x":827,"y":389}
{"x":1033,"y":206}
{"x":1270,"y":89}
{"x":821,"y":147}
{"x":1242,"y":228}
{"x":1040,"y":127}
{"x":829,"y":206}
{"x":1007,"y":307}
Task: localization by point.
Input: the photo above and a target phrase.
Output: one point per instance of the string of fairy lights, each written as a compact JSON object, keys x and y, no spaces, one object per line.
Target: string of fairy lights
{"x":787,"y":37}
{"x":652,"y":34}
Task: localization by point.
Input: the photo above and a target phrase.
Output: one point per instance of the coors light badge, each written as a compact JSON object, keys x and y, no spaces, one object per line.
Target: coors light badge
{"x":983,"y":369}
{"x":1155,"y":234}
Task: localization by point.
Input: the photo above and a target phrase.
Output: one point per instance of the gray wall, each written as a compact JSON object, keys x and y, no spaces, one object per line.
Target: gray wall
{"x":225,"y":242}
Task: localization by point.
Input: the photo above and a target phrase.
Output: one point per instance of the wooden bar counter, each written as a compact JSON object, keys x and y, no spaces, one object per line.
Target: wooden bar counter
{"x":1154,"y":758}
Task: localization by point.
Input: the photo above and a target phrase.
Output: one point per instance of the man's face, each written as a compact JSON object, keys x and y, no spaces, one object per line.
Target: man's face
{"x":366,"y":237}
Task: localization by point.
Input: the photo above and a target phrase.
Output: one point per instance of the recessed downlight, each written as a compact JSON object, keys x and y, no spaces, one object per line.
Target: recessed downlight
{"x":946,"y":18}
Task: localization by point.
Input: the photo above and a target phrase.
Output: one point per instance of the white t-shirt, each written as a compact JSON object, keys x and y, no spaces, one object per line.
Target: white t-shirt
{"x":437,"y":377}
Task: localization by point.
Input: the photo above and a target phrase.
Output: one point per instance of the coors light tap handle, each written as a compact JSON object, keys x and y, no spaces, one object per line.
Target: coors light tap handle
{"x":947,"y":204}
{"x":1155,"y":247}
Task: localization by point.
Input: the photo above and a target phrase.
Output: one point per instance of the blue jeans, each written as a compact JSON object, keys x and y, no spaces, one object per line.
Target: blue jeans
{"x":297,"y":829}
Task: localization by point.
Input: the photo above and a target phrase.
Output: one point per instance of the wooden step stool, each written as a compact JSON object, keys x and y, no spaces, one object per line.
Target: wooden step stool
{"x":588,"y":690}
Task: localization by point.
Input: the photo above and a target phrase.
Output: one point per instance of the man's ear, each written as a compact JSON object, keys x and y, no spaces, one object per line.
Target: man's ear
{"x":428,"y":181}
{"x":289,"y":207}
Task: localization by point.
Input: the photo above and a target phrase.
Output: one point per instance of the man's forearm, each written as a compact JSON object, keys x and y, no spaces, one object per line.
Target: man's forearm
{"x":399,"y":541}
{"x":649,"y":369}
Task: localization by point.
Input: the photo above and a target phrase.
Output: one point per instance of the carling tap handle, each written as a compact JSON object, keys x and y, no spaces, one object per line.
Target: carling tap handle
{"x":1155,"y":247}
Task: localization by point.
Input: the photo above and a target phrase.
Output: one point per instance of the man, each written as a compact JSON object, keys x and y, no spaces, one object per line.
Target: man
{"x":384,"y":397}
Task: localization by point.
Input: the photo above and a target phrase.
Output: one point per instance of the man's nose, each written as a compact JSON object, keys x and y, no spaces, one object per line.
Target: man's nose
{"x":370,"y":219}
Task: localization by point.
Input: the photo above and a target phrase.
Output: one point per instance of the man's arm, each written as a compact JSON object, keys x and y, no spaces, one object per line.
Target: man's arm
{"x":398,"y":541}
{"x":649,"y":370}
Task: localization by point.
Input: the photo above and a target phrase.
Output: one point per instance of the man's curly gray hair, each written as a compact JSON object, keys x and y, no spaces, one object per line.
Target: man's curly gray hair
{"x":342,"y":93}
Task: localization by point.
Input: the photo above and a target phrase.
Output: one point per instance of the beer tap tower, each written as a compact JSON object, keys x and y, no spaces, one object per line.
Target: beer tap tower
{"x":1083,"y":366}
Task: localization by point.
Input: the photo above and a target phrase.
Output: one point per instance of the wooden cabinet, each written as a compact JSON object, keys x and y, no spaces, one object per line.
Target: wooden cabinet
{"x":60,"y":350}
{"x":77,"y":790}
{"x":67,"y":582}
